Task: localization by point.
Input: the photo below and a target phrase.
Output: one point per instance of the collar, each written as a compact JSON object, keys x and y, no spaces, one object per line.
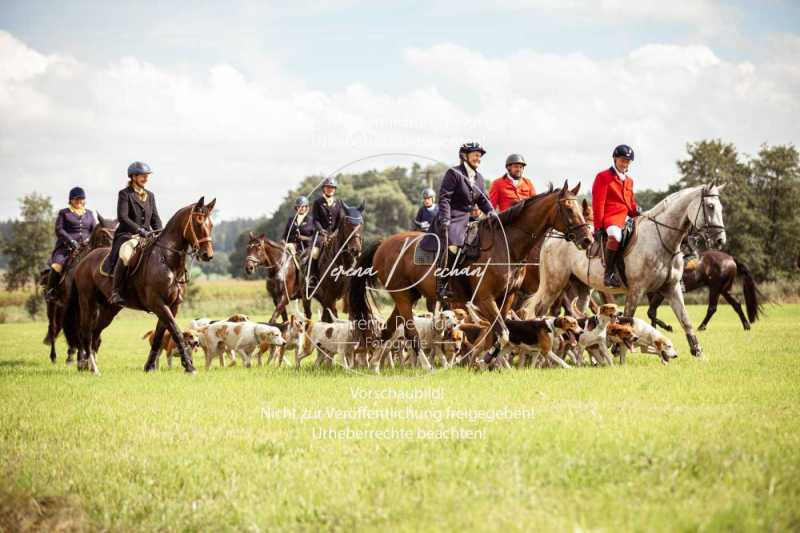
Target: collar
{"x":431,"y":208}
{"x":80,"y":212}
{"x":328,"y":201}
{"x":619,"y":174}
{"x":140,"y":192}
{"x":515,"y":182}
{"x":299,"y":218}
{"x":469,"y":171}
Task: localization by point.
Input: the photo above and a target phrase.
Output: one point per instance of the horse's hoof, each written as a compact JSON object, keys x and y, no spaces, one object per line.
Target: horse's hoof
{"x":701,"y":328}
{"x":149,"y":369}
{"x":668,"y":328}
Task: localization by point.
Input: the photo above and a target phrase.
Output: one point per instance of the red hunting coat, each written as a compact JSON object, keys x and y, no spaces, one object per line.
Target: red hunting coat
{"x":612,"y":199}
{"x":503,"y":194}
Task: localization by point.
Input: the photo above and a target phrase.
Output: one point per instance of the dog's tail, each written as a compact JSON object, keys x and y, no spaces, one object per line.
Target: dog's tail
{"x":148,"y":335}
{"x":752,"y":296}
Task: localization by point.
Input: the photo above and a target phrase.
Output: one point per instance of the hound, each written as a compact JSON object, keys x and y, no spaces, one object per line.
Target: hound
{"x":594,"y":334}
{"x":329,"y":339}
{"x":648,"y":339}
{"x":438,"y":336}
{"x":242,"y":337}
{"x":190,"y":338}
{"x":538,"y":336}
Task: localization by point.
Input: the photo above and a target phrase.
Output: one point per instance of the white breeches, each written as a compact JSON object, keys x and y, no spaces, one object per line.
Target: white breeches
{"x":614,"y":232}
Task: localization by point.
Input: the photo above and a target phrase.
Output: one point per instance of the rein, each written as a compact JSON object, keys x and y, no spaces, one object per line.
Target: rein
{"x":694,"y":229}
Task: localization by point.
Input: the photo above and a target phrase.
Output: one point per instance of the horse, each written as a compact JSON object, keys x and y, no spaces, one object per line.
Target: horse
{"x":652,"y":264}
{"x":338,"y":254}
{"x":505,"y":241}
{"x":284,"y":282}
{"x":717,"y":271}
{"x":101,"y":236}
{"x":156,"y":284}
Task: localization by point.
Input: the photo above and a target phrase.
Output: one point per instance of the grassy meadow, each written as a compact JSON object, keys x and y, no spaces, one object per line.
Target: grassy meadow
{"x":708,"y":444}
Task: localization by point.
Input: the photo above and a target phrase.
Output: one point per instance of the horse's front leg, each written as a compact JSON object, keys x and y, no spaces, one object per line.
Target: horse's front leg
{"x":675,"y":296}
{"x":155,"y":348}
{"x":166,"y":315}
{"x":491,"y":312}
{"x":656,"y":299}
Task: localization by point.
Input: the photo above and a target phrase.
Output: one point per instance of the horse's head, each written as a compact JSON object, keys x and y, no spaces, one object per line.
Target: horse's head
{"x":256,"y":253}
{"x":569,"y":219}
{"x":705,"y":215}
{"x":103,"y":233}
{"x":350,"y":227}
{"x":197,"y":229}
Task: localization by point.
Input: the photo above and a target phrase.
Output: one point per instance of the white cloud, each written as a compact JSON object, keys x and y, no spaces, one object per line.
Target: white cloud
{"x":248,"y":140}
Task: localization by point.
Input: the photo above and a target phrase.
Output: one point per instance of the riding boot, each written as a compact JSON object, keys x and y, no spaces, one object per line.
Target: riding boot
{"x":53,"y":280}
{"x":120,"y":275}
{"x":442,"y":280}
{"x":610,"y":278}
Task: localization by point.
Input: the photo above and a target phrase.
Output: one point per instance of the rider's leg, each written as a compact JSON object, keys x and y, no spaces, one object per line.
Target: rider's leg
{"x":121,"y":272}
{"x":53,"y":280}
{"x":443,"y":279}
{"x":610,"y":278}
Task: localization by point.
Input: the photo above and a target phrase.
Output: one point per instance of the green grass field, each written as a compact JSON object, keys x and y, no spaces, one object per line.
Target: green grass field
{"x":708,"y":444}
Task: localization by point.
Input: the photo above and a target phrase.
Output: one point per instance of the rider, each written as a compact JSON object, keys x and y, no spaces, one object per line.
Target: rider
{"x":613,"y":202}
{"x":511,"y":187}
{"x":462,"y":186}
{"x":74,"y":226}
{"x":325,"y":212}
{"x":138,"y":218}
{"x":300,"y":228}
{"x":427,"y":213}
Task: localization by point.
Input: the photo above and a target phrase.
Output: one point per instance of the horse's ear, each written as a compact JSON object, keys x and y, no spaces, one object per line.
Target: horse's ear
{"x":210,"y":206}
{"x":576,"y":188}
{"x":263,"y":236}
{"x":362,"y":206}
{"x":100,"y":219}
{"x":585,"y":205}
{"x":251,"y":236}
{"x":344,"y":204}
{"x":565,"y":188}
{"x":720,"y":187}
{"x":201,"y":201}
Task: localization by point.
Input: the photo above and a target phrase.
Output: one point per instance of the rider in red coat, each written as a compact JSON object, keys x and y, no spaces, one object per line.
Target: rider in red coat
{"x":613,"y":202}
{"x":511,"y":187}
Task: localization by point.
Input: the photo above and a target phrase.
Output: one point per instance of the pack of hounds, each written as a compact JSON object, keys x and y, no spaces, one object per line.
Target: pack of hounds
{"x":452,"y":338}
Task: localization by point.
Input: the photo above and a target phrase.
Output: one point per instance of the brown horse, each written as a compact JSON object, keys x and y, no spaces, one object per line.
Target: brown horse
{"x":717,"y":271}
{"x":284,"y":282}
{"x":101,"y":236}
{"x":156,"y":284}
{"x":505,"y":242}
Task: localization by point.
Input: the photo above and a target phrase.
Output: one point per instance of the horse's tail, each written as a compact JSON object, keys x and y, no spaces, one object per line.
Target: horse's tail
{"x":752,"y":296}
{"x":358,"y":302}
{"x":71,"y":314}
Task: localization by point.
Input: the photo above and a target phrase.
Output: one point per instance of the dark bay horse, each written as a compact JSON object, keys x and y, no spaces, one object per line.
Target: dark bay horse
{"x":505,"y":243}
{"x":717,"y":271}
{"x":284,"y":282}
{"x":156,"y":283}
{"x":338,"y":255}
{"x":101,"y":236}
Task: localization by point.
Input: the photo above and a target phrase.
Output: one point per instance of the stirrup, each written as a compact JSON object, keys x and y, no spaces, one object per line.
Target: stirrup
{"x":611,"y":280}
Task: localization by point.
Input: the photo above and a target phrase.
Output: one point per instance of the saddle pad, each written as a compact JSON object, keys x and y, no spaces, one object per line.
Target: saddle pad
{"x":103,"y":268}
{"x":423,"y":257}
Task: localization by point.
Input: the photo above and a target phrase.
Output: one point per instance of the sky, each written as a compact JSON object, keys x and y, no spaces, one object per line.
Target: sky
{"x":241,"y":100}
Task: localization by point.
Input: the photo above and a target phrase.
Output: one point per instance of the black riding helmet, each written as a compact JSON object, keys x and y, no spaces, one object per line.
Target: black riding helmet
{"x":77,"y":192}
{"x":470,"y":147}
{"x":624,"y":151}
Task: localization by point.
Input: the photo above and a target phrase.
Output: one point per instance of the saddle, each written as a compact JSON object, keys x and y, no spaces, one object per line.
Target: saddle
{"x":106,"y":269}
{"x":425,"y":248}
{"x":598,"y":248}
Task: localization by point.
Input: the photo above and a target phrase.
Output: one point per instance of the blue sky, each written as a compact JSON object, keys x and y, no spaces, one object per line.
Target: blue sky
{"x":261,"y":94}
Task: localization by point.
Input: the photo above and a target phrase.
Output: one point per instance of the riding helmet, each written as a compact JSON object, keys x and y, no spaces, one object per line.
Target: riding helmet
{"x":624,"y":151}
{"x":515,"y":158}
{"x":300,"y":202}
{"x":137,"y":167}
{"x":428,"y":193}
{"x":77,"y":192}
{"x":329,"y":182}
{"x":471,"y":147}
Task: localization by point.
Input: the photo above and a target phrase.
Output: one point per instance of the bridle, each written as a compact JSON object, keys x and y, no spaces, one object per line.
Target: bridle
{"x":195,"y":243}
{"x":705,"y":231}
{"x":267,"y":263}
{"x":572,"y":230}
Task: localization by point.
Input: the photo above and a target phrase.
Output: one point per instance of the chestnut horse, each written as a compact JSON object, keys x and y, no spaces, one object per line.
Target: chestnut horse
{"x":505,"y":242}
{"x":101,"y":237}
{"x":284,"y":282}
{"x":156,"y":283}
{"x":717,"y":271}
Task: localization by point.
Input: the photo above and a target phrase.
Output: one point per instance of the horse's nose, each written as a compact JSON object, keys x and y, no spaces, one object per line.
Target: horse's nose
{"x":207,"y":256}
{"x":586,"y":242}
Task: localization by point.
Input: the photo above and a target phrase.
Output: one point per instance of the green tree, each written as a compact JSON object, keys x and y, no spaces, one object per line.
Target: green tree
{"x":776,"y":182}
{"x":30,"y":241}
{"x":713,"y":160}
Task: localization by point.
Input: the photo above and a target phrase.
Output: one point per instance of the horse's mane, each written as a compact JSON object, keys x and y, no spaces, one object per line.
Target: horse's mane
{"x":175,"y":219}
{"x":661,"y":206}
{"x":508,"y":216}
